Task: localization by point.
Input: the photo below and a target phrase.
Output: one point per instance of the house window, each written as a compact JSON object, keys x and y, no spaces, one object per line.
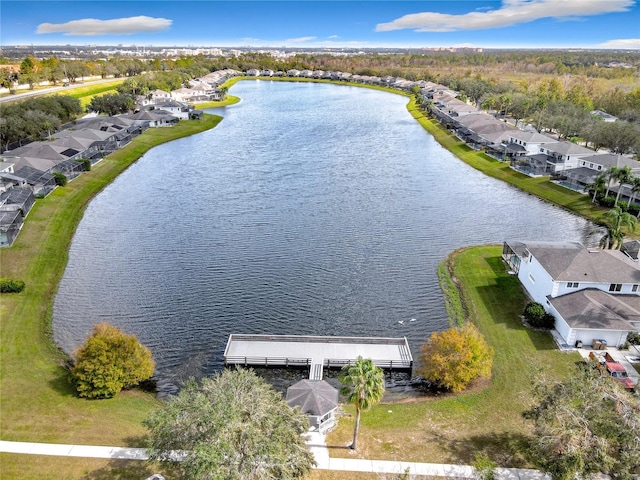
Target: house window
{"x":533,"y":280}
{"x":584,"y":163}
{"x":615,"y":287}
{"x":634,"y":288}
{"x":591,"y":165}
{"x":573,"y":285}
{"x":599,"y":167}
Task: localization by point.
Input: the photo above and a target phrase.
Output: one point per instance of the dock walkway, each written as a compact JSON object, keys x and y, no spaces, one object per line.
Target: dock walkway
{"x":316,"y":352}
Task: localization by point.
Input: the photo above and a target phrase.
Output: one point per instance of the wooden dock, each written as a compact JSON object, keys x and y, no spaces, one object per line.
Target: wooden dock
{"x":315,"y":352}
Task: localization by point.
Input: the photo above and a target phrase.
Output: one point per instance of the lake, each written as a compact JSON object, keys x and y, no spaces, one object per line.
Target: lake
{"x":310,"y":209}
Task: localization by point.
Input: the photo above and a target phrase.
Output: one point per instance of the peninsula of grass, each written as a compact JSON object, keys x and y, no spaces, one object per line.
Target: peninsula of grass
{"x":487,"y":418}
{"x":38,"y":403}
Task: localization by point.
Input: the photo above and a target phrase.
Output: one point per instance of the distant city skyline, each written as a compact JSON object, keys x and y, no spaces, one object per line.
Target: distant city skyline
{"x":596,"y":24}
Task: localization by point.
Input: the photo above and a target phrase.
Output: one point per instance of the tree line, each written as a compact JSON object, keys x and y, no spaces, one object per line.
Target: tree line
{"x":36,"y":118}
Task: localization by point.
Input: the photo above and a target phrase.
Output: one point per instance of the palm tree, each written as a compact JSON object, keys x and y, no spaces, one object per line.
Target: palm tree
{"x":635,"y":188}
{"x":598,"y":184}
{"x":616,"y":220}
{"x":611,"y":175}
{"x":365,"y":387}
{"x":624,"y":176}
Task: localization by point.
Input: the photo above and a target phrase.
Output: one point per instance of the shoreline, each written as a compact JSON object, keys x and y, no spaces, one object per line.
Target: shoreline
{"x":39,"y":256}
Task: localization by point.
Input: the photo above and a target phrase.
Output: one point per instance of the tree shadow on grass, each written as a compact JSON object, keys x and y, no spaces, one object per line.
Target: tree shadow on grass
{"x":62,"y":384}
{"x":506,"y":449}
{"x":132,"y":469}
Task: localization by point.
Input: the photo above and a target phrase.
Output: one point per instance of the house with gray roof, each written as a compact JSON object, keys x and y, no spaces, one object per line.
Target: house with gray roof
{"x":592,"y":293}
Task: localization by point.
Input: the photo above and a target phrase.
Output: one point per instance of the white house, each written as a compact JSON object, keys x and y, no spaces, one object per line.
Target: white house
{"x":592,"y":293}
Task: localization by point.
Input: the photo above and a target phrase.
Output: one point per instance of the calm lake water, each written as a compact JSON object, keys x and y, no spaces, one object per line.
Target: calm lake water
{"x":311,"y":209}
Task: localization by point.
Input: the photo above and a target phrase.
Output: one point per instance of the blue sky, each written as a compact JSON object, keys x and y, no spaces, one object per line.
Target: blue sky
{"x":335,"y":23}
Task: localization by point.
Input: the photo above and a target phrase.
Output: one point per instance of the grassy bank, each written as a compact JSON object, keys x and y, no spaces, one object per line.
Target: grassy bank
{"x":452,"y":429}
{"x":541,"y":187}
{"x":38,"y":403}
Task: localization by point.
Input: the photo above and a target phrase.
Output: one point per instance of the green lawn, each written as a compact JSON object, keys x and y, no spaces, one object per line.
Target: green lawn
{"x":38,"y":403}
{"x":452,"y":429}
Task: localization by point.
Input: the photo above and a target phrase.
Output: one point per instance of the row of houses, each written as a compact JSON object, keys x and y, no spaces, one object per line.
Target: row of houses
{"x":35,"y":169}
{"x":533,"y":153}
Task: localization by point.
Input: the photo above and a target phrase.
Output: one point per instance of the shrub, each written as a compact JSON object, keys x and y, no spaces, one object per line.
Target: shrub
{"x":534,"y":314}
{"x":86,"y":162}
{"x":633,"y":338}
{"x":455,"y":357}
{"x":109,"y":361}
{"x":11,"y":286}
{"x":61,"y":180}
{"x":608,"y":201}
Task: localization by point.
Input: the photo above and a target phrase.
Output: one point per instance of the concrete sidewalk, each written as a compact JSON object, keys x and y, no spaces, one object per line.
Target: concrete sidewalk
{"x":316,"y":443}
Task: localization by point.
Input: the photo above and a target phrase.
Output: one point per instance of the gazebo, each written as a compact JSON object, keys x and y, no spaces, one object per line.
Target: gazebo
{"x":317,"y":399}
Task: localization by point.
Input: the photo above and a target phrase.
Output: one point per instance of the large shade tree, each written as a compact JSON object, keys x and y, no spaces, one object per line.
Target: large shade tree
{"x":364,"y":384}
{"x":585,"y":425}
{"x":232,"y":426}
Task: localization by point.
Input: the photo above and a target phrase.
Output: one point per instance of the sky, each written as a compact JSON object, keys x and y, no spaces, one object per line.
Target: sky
{"x":331,"y":24}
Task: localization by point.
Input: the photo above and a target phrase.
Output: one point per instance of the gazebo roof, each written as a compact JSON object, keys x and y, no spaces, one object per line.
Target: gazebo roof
{"x":313,"y":397}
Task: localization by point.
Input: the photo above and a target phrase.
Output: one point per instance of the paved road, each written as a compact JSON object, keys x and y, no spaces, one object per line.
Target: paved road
{"x":33,"y":93}
{"x":316,"y":443}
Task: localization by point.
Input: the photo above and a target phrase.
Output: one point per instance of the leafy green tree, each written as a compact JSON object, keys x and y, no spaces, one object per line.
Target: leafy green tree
{"x":109,"y":361}
{"x":364,"y":384}
{"x":585,"y":425}
{"x":617,"y":221}
{"x":453,"y":358}
{"x":232,"y":426}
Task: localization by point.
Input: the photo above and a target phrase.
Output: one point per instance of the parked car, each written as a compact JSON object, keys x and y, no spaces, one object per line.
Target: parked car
{"x":607,"y":364}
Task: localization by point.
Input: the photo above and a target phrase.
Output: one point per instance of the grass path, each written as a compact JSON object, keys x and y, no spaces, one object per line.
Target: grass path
{"x":38,"y":403}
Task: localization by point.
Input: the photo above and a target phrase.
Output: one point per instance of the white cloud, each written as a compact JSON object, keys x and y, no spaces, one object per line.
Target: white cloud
{"x":633,"y":43}
{"x":511,"y":12}
{"x":117,"y":26}
{"x":299,"y":40}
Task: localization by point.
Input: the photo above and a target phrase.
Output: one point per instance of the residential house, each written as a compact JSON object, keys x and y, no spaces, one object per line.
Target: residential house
{"x":15,"y":204}
{"x":590,"y":166}
{"x":592,"y":293}
{"x":563,"y":155}
{"x":604,"y":116}
{"x":40,"y":182}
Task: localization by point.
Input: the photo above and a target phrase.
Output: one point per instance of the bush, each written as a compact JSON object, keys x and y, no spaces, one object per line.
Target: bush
{"x":109,"y":361}
{"x":11,"y":286}
{"x":608,"y":201}
{"x":534,"y":314}
{"x":86,"y":162}
{"x":61,"y":180}
{"x":633,"y":338}
{"x":455,"y":357}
